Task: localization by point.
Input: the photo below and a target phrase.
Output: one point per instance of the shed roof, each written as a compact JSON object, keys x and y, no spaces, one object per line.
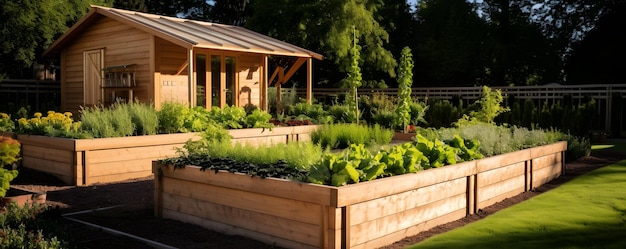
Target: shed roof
{"x":187,"y":33}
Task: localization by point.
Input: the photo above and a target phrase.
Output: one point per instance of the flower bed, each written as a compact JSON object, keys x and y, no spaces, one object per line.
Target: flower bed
{"x":100,"y":160}
{"x":364,"y":215}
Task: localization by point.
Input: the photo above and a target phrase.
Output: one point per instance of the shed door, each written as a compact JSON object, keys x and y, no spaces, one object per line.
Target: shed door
{"x":93,"y":64}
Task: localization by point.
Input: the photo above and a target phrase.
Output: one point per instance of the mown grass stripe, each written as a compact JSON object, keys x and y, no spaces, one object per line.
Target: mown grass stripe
{"x":587,"y":212}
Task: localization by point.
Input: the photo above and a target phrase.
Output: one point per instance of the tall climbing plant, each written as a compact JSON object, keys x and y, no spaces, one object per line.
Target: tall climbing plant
{"x":405,"y":82}
{"x":354,"y":75}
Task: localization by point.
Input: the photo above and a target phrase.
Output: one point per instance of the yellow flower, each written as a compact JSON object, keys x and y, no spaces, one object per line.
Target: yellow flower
{"x":37,"y":115}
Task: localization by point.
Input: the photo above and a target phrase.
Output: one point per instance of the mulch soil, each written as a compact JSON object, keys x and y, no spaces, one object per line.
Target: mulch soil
{"x":122,"y":213}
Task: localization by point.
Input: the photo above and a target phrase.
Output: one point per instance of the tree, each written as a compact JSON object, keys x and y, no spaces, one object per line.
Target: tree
{"x":592,"y":60}
{"x":450,"y":45}
{"x":326,"y":26}
{"x":28,"y":27}
{"x":135,"y":5}
{"x":232,"y":12}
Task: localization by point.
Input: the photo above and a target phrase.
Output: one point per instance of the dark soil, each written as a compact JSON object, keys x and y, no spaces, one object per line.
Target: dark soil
{"x":123,"y":212}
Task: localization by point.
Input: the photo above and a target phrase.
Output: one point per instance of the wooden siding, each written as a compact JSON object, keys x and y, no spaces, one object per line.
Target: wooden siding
{"x":122,"y":45}
{"x":249,"y":80}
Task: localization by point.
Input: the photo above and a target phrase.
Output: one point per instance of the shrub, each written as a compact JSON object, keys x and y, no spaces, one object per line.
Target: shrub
{"x":9,"y":151}
{"x":25,"y":227}
{"x":6,"y":124}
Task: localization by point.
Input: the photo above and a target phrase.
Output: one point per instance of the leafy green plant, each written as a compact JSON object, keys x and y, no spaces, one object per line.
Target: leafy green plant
{"x":314,"y":111}
{"x":230,"y":117}
{"x":172,"y":117}
{"x":489,"y":108}
{"x":418,"y":112}
{"x":9,"y":151}
{"x":258,"y":119}
{"x":195,"y":120}
{"x":6,"y":176}
{"x":342,"y":114}
{"x":6,"y":124}
{"x":405,"y":81}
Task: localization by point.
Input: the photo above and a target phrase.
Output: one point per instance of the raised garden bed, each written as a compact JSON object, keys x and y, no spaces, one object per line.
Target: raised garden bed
{"x":101,"y":160}
{"x":364,"y":215}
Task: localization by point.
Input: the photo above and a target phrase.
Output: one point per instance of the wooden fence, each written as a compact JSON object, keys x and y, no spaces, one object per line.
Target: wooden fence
{"x":40,"y":95}
{"x":610,"y":98}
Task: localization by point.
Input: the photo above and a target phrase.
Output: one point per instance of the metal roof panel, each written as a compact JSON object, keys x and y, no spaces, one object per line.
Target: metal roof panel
{"x":202,"y":34}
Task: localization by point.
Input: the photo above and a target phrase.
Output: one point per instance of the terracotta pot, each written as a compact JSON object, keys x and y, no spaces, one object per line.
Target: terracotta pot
{"x":22,"y":196}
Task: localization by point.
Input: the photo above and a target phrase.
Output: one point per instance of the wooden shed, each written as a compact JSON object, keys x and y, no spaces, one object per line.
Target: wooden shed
{"x":112,"y":54}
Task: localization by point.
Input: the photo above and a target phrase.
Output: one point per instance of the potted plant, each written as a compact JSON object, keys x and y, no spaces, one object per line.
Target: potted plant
{"x":9,"y":156}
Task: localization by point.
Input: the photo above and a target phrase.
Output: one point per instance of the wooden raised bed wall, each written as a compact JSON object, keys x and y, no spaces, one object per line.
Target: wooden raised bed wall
{"x":101,"y":160}
{"x":364,"y":215}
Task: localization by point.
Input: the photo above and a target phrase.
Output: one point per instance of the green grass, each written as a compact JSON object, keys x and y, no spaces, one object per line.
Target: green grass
{"x":616,"y":146}
{"x":587,"y":212}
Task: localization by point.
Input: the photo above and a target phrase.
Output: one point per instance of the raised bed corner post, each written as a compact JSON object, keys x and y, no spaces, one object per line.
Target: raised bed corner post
{"x":472,"y":190}
{"x":345,"y":227}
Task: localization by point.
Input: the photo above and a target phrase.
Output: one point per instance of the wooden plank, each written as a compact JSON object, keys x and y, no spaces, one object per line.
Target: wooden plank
{"x":546,"y":174}
{"x":147,"y":153}
{"x":134,"y":141}
{"x":275,"y":226}
{"x":46,"y":153}
{"x":367,"y":231}
{"x":389,"y":205}
{"x":546,"y":161}
{"x":413,"y":230}
{"x":500,"y":174}
{"x":493,"y":162}
{"x":365,"y":191}
{"x":483,"y":203}
{"x":121,"y":167}
{"x":258,"y":202}
{"x":117,"y":177}
{"x":232,"y":230}
{"x":47,"y":166}
{"x":313,"y":193}
{"x":44,"y":141}
{"x":548,"y":149}
{"x":489,"y":191}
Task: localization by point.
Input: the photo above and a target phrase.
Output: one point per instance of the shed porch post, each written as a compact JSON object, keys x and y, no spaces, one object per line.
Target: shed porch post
{"x":309,"y":81}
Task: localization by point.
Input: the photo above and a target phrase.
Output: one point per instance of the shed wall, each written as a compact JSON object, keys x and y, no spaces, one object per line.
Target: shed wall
{"x":122,"y":45}
{"x":171,"y":72}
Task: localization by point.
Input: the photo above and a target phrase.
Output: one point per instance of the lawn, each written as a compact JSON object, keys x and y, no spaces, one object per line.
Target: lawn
{"x":587,"y":212}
